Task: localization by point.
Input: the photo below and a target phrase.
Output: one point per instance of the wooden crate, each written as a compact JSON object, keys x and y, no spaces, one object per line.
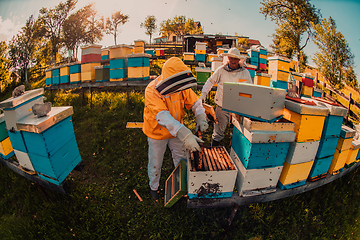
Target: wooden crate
{"x":338,"y":161}
{"x":294,"y":175}
{"x":309,"y":120}
{"x":210,"y":184}
{"x":251,"y":182}
{"x":261,"y":149}
{"x":254,"y":101}
{"x":300,"y":152}
{"x":262,"y":79}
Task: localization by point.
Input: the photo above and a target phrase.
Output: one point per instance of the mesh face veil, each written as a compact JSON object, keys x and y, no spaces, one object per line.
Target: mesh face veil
{"x":177,"y":82}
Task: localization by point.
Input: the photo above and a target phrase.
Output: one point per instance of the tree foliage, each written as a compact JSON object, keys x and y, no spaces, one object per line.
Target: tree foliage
{"x":112,"y":24}
{"x":150,"y":25}
{"x":24,"y":45}
{"x":294,"y":18}
{"x":179,"y":25}
{"x":334,"y":53}
{"x":53,"y":19}
{"x":350,"y":78}
{"x":82,"y":27}
{"x":4,"y":66}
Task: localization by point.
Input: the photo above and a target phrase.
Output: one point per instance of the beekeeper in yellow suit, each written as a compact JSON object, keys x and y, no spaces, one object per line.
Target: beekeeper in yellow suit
{"x":165,"y":99}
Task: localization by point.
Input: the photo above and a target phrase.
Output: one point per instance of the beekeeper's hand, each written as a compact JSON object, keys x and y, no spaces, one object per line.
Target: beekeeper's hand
{"x":189,"y":140}
{"x":203,"y":96}
{"x":201,"y":123}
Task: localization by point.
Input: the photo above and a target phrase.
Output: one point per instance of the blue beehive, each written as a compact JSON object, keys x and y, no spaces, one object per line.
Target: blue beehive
{"x":51,"y":144}
{"x":56,"y":76}
{"x":261,"y":149}
{"x":118,"y":69}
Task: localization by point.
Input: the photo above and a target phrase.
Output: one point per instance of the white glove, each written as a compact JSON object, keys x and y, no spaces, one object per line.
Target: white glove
{"x":201,"y":123}
{"x":203,"y":96}
{"x":189,"y":140}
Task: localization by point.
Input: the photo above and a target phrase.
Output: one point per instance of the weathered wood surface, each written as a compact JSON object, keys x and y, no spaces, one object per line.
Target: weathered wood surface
{"x":278,"y":194}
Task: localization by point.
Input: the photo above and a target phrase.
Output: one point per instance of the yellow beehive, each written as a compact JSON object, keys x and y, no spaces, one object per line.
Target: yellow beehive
{"x":159,"y":52}
{"x":279,"y":63}
{"x":64,"y":70}
{"x":104,"y":52}
{"x":307,"y":91}
{"x":6,"y":147}
{"x":87,"y":76}
{"x":119,"y":51}
{"x":48,"y":74}
{"x":308,"y":128}
{"x":218,"y":43}
{"x":338,"y":161}
{"x":189,"y":56}
{"x":263,"y":56}
{"x":279,"y":75}
{"x":75,"y":77}
{"x":139,"y":43}
{"x":197,"y":51}
{"x":295,"y":172}
{"x":352,"y":155}
{"x":139,"y":50}
{"x":262,"y":79}
{"x":221,"y":50}
{"x":344,"y":143}
{"x":89,"y":67}
{"x":138,"y":72}
{"x":210,"y":56}
{"x":297,"y":76}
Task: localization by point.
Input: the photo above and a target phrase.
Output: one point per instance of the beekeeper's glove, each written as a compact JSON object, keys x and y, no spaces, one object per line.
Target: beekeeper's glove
{"x":189,"y":140}
{"x":203,"y":96}
{"x":201,"y":123}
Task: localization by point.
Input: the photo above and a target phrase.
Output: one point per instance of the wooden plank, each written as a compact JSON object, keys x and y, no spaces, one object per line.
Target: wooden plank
{"x":134,"y":125}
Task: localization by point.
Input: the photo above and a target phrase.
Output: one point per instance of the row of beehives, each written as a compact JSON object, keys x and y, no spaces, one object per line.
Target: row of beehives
{"x":115,"y":63}
{"x":45,"y":146}
{"x":278,"y":143}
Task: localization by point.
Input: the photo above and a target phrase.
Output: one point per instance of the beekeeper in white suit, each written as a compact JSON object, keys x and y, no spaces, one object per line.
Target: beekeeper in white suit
{"x":165,"y":99}
{"x":232,"y":71}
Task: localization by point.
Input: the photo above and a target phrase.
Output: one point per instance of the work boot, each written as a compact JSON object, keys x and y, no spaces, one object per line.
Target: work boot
{"x":154,"y":194}
{"x":215,"y":143}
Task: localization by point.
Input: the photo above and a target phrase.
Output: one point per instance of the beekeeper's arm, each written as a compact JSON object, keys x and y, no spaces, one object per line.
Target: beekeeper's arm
{"x":212,"y":80}
{"x":178,"y":130}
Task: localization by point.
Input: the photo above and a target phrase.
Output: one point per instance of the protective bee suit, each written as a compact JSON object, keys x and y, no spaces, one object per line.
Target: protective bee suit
{"x":165,"y":99}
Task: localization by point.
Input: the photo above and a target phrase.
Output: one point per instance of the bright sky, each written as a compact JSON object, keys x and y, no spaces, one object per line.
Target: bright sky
{"x":226,"y":17}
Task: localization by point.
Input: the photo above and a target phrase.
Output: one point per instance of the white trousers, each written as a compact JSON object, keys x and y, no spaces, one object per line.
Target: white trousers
{"x":156,"y":153}
{"x":219,"y":129}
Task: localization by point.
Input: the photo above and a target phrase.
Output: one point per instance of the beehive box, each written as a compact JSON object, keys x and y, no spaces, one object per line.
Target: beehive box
{"x":309,"y":120}
{"x":102,"y":73}
{"x":261,"y":145}
{"x":88,"y":72}
{"x":202,"y":74}
{"x":216,"y":63}
{"x":262,"y":66}
{"x":300,"y":152}
{"x":6,"y":149}
{"x":138,"y":60}
{"x":119,"y":51}
{"x":91,"y":49}
{"x":75,"y":68}
{"x":64,"y":74}
{"x":17,"y":141}
{"x":51,"y":143}
{"x":48,"y":77}
{"x":279,"y":84}
{"x":197,"y":51}
{"x":210,"y":184}
{"x":320,"y":167}
{"x":279,"y":63}
{"x":211,"y":56}
{"x":251,"y":182}
{"x":150,"y":51}
{"x":221,"y":50}
{"x":254,"y":54}
{"x":338,"y":161}
{"x":200,"y":57}
{"x":138,"y":66}
{"x":200,"y":46}
{"x":262,"y":79}
{"x":327,"y":147}
{"x":104,"y":53}
{"x":297,"y":76}
{"x":317,"y":92}
{"x":24,"y":160}
{"x":279,"y":75}
{"x":308,"y":80}
{"x":307,"y":91}
{"x":3,"y":131}
{"x":55,"y":80}
{"x":118,"y":74}
{"x":138,"y":73}
{"x":294,"y":175}
{"x":354,"y":150}
{"x":255,"y":101}
{"x":75,"y":77}
{"x":159,"y":52}
{"x":20,"y":107}
{"x":251,"y":69}
{"x":189,"y":56}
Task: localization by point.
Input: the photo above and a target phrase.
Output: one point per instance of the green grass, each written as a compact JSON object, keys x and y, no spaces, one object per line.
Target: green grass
{"x":101,"y":203}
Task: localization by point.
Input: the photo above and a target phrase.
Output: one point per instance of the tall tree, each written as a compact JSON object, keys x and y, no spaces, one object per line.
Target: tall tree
{"x":112,"y":24}
{"x":82,"y":27}
{"x":350,"y":78}
{"x":294,"y":18}
{"x":24,"y":45}
{"x":4,"y":66}
{"x":179,"y":25}
{"x":53,"y":19}
{"x":150,"y":25}
{"x":334,"y":53}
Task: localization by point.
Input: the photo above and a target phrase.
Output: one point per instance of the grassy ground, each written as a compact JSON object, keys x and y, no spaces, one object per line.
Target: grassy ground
{"x":102,"y":205}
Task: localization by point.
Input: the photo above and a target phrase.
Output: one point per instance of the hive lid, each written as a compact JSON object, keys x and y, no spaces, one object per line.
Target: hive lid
{"x":333,"y":109}
{"x":120,"y":46}
{"x":36,"y":124}
{"x":274,"y":58}
{"x":134,"y":55}
{"x":306,"y":109}
{"x":263,"y":74}
{"x":91,"y":46}
{"x":253,"y":125}
{"x":28,"y":95}
{"x":347,"y":132}
{"x":200,"y":69}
